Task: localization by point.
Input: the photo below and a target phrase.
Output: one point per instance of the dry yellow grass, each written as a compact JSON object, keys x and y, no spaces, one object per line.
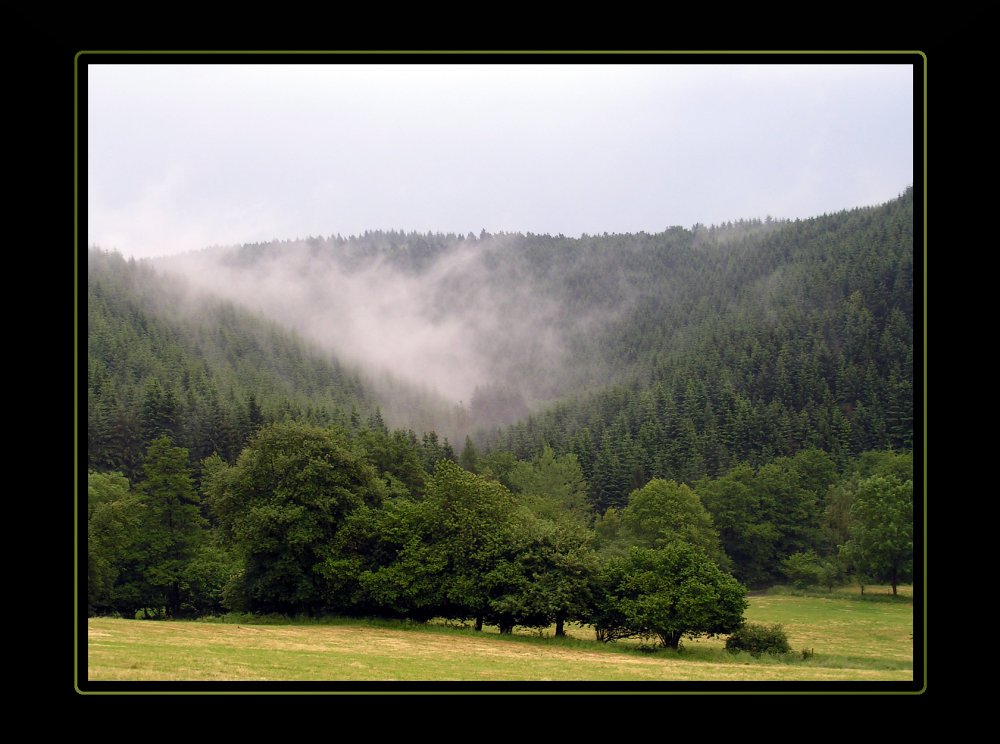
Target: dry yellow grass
{"x":143,"y":651}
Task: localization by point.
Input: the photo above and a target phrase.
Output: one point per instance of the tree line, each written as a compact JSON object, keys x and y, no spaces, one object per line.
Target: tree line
{"x":312,"y":520}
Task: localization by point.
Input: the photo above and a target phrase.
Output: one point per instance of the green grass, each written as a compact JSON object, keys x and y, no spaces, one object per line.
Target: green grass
{"x":842,"y":632}
{"x":851,"y":641}
{"x":851,"y":591}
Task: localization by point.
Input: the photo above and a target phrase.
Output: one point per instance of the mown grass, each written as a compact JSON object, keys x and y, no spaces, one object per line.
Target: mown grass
{"x":842,"y":632}
{"x":850,"y":641}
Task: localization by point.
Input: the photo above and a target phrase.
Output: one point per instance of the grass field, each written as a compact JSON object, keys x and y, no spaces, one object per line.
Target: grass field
{"x":851,"y":640}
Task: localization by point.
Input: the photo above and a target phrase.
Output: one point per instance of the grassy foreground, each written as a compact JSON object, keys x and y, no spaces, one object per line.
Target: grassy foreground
{"x":851,"y":640}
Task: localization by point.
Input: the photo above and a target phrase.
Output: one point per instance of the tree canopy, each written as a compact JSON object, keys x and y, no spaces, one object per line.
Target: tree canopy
{"x":668,"y":593}
{"x":662,"y":512}
{"x":280,"y":506}
{"x":881,"y":544}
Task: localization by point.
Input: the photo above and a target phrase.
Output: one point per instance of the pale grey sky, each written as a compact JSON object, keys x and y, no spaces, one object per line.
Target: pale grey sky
{"x":180,"y":157}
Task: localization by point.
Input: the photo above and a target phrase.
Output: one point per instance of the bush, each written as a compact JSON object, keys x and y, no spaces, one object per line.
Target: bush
{"x":758,"y":639}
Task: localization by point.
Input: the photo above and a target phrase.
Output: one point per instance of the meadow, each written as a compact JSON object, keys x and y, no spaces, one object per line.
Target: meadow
{"x":850,"y":639}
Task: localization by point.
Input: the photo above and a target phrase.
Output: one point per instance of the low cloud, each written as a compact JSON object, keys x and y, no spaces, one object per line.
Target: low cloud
{"x":451,"y":326}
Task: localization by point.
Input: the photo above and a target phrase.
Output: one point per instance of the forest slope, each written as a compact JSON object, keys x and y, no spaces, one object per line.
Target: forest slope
{"x":675,"y":354}
{"x":161,"y":360}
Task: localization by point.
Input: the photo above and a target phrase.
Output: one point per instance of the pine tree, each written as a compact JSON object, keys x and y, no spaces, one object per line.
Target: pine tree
{"x":469,"y":459}
{"x":172,"y":526}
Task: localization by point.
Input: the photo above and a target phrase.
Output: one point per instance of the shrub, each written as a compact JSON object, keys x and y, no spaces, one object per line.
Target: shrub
{"x":758,"y":639}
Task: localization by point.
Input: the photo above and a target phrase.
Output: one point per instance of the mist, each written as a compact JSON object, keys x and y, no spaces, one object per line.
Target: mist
{"x":464,"y":324}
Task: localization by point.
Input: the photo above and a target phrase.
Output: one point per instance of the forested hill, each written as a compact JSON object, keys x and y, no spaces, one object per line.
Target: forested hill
{"x":730,"y":391}
{"x":676,"y":354}
{"x":162,"y":361}
{"x":775,"y":342}
{"x":510,"y":323}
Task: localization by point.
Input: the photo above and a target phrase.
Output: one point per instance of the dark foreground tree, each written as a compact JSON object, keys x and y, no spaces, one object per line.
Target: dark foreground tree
{"x":173,"y":530}
{"x":280,"y":507}
{"x":464,"y":554}
{"x":450,"y":555}
{"x":668,"y":592}
{"x":555,"y":568}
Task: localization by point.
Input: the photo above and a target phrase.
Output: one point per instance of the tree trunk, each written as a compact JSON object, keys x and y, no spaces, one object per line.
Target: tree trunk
{"x":670,"y":640}
{"x":894,"y":581}
{"x":560,"y":630}
{"x":479,"y":622}
{"x":505,"y":628}
{"x":175,"y":600}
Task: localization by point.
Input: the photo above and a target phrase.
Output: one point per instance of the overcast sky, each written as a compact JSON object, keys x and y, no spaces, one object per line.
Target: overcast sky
{"x":180,"y":157}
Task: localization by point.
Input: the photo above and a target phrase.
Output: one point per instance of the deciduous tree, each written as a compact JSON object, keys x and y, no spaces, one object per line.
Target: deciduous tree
{"x":664,"y":511}
{"x":114,"y":514}
{"x":668,"y":592}
{"x":280,"y":507}
{"x":881,"y":544}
